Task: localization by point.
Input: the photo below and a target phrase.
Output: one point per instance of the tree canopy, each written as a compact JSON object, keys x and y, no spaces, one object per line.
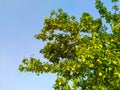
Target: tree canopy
{"x":82,"y":53}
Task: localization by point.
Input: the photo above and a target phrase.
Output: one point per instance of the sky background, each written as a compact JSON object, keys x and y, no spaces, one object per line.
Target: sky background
{"x":20,"y":20}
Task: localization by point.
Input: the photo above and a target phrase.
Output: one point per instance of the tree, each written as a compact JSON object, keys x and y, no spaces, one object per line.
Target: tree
{"x":83,"y":52}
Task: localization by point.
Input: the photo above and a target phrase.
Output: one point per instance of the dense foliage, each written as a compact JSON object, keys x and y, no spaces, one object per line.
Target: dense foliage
{"x":83,"y":53}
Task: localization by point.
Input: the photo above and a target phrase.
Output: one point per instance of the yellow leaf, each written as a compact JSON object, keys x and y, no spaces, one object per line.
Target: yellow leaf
{"x":100,"y":74}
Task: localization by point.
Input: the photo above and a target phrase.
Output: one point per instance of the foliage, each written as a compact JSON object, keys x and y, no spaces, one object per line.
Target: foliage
{"x":82,"y":52}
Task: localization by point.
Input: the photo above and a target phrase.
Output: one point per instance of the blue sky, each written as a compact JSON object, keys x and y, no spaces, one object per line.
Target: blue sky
{"x":20,"y":20}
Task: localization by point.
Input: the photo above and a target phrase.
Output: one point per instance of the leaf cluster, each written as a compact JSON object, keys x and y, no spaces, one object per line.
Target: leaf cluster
{"x":80,"y":51}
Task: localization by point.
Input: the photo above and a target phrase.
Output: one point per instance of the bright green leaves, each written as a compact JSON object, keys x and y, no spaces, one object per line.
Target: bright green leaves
{"x":63,"y":32}
{"x":60,"y":10}
{"x":116,"y":24}
{"x":58,"y":22}
{"x":103,"y":11}
{"x":60,"y":48}
{"x":52,"y":13}
{"x":99,"y":88}
{"x":98,"y":54}
{"x":88,"y":24}
{"x":35,"y":65}
{"x":75,"y":84}
{"x":109,"y":16}
{"x":61,"y":84}
{"x":81,"y":53}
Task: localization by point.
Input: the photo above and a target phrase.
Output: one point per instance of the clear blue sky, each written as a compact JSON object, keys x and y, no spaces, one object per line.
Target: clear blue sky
{"x":19,"y":21}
